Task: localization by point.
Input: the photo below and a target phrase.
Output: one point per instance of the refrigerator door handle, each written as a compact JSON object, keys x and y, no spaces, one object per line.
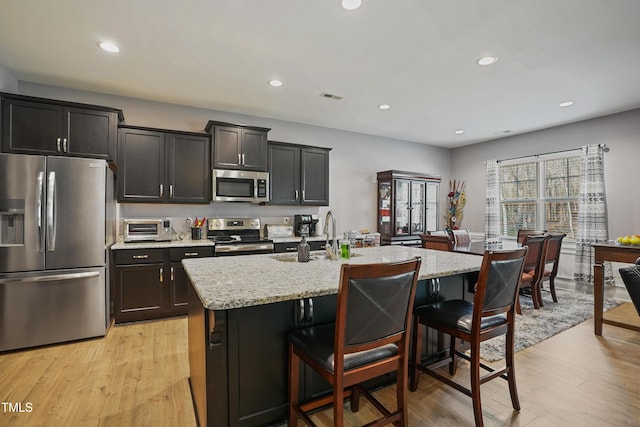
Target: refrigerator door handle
{"x":51,"y":212}
{"x":50,"y":278}
{"x":39,"y":225}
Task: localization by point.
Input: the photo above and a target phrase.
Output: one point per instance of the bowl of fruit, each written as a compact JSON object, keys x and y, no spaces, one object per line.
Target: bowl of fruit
{"x":629,"y":240}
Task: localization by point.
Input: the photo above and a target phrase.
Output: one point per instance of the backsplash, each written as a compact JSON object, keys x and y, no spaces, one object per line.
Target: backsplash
{"x":180,"y":213}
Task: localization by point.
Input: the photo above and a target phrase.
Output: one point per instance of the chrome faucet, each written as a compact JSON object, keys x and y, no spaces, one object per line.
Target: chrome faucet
{"x":333,"y":248}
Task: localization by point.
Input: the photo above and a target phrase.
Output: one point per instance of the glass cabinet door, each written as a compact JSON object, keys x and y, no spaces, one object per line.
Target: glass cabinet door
{"x":402,"y":207}
{"x":417,"y":207}
{"x":432,"y":206}
{"x":384,"y":207}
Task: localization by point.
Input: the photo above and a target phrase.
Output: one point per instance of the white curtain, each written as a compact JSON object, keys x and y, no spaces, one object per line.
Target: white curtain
{"x":492,"y":209}
{"x":592,"y":218}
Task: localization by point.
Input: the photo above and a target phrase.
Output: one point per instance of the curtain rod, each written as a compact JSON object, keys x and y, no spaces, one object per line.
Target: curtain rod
{"x":604,"y":146}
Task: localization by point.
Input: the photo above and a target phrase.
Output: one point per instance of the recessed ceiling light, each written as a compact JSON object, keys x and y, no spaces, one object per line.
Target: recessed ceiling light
{"x":350,"y":4}
{"x":275,"y":83}
{"x":566,"y":104}
{"x":458,"y":131}
{"x":109,"y":47}
{"x":487,"y":60}
{"x":384,"y":106}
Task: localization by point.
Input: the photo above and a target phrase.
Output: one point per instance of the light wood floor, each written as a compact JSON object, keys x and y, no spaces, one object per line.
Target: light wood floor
{"x":137,"y":376}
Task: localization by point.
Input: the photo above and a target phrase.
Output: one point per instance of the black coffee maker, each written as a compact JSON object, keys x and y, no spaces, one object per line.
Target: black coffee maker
{"x":305,"y":225}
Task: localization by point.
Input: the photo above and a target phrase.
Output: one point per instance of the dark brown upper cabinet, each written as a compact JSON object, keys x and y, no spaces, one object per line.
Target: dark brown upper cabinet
{"x":298,"y":174}
{"x":238,"y":146}
{"x":49,"y":127}
{"x":163,"y":166}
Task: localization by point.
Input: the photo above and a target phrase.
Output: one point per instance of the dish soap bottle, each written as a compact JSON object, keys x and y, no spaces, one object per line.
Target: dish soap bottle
{"x":303,"y":250}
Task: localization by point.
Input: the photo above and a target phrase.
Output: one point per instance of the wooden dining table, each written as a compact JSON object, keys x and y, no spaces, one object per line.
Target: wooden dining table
{"x":608,"y":252}
{"x":478,"y":248}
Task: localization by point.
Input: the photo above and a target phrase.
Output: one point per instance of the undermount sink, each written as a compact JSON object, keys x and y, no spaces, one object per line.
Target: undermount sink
{"x":313,"y":256}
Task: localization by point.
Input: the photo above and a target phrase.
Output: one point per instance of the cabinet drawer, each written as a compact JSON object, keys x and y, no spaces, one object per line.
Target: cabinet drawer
{"x":178,"y":254}
{"x":139,"y":256}
{"x":314,"y":245}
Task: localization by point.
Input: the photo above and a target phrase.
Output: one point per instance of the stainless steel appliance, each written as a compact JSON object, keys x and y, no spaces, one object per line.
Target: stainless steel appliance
{"x":237,"y":236}
{"x":240,"y":186}
{"x":305,"y":225}
{"x":53,"y":249}
{"x":147,"y":230}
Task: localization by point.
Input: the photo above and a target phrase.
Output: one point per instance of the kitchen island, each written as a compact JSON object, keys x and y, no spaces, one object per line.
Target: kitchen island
{"x":242,"y":308}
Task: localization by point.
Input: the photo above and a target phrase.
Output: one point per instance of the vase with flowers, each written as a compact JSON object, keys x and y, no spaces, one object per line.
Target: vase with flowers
{"x":456,"y":199}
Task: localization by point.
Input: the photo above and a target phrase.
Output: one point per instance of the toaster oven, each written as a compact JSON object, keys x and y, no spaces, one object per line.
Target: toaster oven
{"x":147,"y":230}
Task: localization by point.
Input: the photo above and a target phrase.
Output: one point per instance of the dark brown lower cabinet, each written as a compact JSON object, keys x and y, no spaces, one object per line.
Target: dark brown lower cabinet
{"x":151,"y":283}
{"x":239,"y":358}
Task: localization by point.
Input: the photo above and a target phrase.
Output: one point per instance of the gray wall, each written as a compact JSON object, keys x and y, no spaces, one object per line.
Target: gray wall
{"x":620,"y":132}
{"x":8,"y":83}
{"x":354,"y":160}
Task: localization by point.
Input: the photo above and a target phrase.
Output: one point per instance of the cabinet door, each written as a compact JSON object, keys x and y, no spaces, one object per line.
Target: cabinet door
{"x":315,"y":177}
{"x":402,"y":199}
{"x":139,"y":292}
{"x":226,"y":148}
{"x":432,"y":206}
{"x":178,"y":286}
{"x":90,"y":133}
{"x":189,"y":169}
{"x":258,"y":391}
{"x":284,"y":175}
{"x":31,"y":127}
{"x":141,"y":174}
{"x":254,"y":150}
{"x":418,"y":207}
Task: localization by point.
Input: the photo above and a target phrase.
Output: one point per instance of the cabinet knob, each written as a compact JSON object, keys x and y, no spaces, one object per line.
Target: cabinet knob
{"x":172,"y":274}
{"x":58,"y":144}
{"x":64,"y":144}
{"x":161,"y":274}
{"x":161,"y":190}
{"x":243,"y":159}
{"x":171,"y":191}
{"x":191,"y":254}
{"x":140,"y":256}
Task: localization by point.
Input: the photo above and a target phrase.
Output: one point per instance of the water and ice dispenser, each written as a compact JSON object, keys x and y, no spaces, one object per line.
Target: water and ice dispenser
{"x":11,"y":222}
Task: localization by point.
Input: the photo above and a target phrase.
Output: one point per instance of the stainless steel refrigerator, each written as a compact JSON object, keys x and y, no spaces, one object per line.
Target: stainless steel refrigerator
{"x":53,"y":250}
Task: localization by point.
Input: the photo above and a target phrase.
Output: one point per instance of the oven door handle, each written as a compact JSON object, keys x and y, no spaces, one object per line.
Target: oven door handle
{"x":244,"y":247}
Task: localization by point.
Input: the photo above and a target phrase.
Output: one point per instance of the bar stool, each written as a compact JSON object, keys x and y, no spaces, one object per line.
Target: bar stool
{"x":368,"y":339}
{"x":491,"y":314}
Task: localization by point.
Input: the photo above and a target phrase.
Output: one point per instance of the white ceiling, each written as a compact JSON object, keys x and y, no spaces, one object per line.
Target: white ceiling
{"x":417,"y":55}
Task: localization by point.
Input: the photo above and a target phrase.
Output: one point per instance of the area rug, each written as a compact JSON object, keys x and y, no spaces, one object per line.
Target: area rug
{"x":536,"y":325}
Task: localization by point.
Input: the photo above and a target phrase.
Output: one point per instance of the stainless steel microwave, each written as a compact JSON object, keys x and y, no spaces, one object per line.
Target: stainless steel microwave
{"x":147,"y":230}
{"x":240,"y":186}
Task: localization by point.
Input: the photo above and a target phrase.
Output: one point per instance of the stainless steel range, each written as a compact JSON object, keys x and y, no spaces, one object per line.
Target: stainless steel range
{"x":237,"y":236}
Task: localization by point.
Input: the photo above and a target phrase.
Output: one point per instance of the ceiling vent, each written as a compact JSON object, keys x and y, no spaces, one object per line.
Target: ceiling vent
{"x":330,"y":96}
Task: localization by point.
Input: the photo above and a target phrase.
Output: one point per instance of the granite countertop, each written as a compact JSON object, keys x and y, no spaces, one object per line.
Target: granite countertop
{"x":188,"y":242}
{"x":224,"y":283}
{"x":160,"y":245}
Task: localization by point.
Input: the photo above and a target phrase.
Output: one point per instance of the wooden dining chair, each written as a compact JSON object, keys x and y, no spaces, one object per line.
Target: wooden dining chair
{"x":524,"y":232}
{"x":439,"y":242}
{"x":369,"y":338}
{"x":533,"y":268}
{"x":552,"y":260}
{"x":491,"y":314}
{"x":461,"y":237}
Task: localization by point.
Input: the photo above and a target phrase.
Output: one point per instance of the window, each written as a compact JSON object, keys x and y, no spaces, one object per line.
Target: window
{"x":540,"y":194}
